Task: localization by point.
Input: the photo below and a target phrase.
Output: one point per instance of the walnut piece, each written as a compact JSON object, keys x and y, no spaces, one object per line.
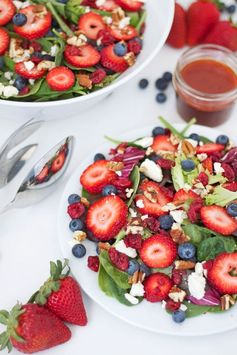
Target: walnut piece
{"x":179,"y":236}
{"x":226,"y":302}
{"x":84,"y":80}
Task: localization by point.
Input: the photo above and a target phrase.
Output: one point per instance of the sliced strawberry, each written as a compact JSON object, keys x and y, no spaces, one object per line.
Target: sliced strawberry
{"x":123,"y":34}
{"x":60,"y":78}
{"x":182,"y":196}
{"x":4,"y":41}
{"x":231,"y":186}
{"x":108,"y":5}
{"x":157,"y":287}
{"x":91,"y":23}
{"x":58,"y":162}
{"x":154,"y":198}
{"x":209,"y":148}
{"x":96,"y":176}
{"x":7,"y":11}
{"x":217,"y":219}
{"x":43,"y":174}
{"x":34,"y":73}
{"x":111,"y":61}
{"x":106,"y":217}
{"x":223,"y":274}
{"x":208,"y":164}
{"x":82,"y":57}
{"x":163,"y":143}
{"x":158,"y":251}
{"x":38,"y":23}
{"x":130,"y":5}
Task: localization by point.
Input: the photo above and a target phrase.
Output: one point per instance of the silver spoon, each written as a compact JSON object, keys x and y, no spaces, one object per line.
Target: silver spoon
{"x":43,"y":177}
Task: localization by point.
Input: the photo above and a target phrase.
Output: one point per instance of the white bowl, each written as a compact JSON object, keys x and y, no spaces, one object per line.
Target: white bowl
{"x":158,"y":24}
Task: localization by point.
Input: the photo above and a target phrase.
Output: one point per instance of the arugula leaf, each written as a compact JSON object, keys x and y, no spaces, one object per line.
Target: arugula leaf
{"x":211,"y":247}
{"x":173,"y":130}
{"x":135,"y":178}
{"x":117,"y":142}
{"x":119,"y":277}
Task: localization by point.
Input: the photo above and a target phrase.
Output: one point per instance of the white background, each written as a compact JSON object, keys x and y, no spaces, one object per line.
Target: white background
{"x":28,"y":239}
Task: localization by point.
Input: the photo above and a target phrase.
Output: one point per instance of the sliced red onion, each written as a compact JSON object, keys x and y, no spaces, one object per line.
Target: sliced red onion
{"x":130,"y":159}
{"x":211,"y":298}
{"x":231,"y":156}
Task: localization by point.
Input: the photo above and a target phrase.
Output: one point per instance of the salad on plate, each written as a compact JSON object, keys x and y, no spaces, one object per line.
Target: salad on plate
{"x":162,"y":211}
{"x":60,"y":49}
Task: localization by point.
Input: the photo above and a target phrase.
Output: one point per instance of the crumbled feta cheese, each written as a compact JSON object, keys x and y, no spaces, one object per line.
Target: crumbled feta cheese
{"x":131,"y":299}
{"x":31,"y":81}
{"x":100,"y":2}
{"x":201,"y":143}
{"x":8,"y":75}
{"x":87,"y":9}
{"x":152,"y":170}
{"x":73,"y":242}
{"x":134,"y":230}
{"x":145,"y":142}
{"x":124,"y":22}
{"x":145,"y":216}
{"x":178,"y":296}
{"x":129,"y":192}
{"x":10,"y":91}
{"x":149,"y":151}
{"x":18,"y":4}
{"x":169,"y":207}
{"x":218,"y":168}
{"x":201,"y":157}
{"x":132,"y":213}
{"x":54,"y":50}
{"x":176,"y":226}
{"x":163,"y":304}
{"x":77,"y":41}
{"x":119,"y":173}
{"x":183,"y":307}
{"x":29,"y":65}
{"x":108,"y":20}
{"x":178,"y":215}
{"x":137,"y":290}
{"x":46,"y":64}
{"x":187,"y":187}
{"x":140,"y":204}
{"x":122,"y":248}
{"x":25,"y":4}
{"x":197,"y":282}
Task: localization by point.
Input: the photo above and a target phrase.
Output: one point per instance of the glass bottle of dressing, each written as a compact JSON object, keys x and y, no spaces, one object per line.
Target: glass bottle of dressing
{"x":205,"y":81}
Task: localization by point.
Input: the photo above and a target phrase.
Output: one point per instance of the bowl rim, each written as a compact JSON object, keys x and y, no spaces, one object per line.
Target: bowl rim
{"x":109,"y":88}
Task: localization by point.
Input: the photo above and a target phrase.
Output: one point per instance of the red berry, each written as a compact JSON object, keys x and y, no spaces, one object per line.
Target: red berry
{"x":76,"y":210}
{"x":4,"y":40}
{"x":135,"y":46}
{"x":123,"y":34}
{"x":24,"y":91}
{"x":177,"y":276}
{"x":224,"y":33}
{"x":210,"y":148}
{"x":98,"y":76}
{"x":229,"y":173}
{"x":133,"y":241}
{"x":82,"y":57}
{"x":91,"y":24}
{"x":178,"y":33}
{"x":152,"y":223}
{"x":35,"y":45}
{"x":7,"y":10}
{"x":60,"y":78}
{"x":93,"y":263}
{"x":105,"y":37}
{"x":217,"y":219}
{"x":130,"y":5}
{"x":34,"y":73}
{"x":58,"y":162}
{"x":172,"y":305}
{"x":112,"y":61}
{"x":157,"y":287}
{"x":163,"y":143}
{"x":203,"y":178}
{"x":194,"y":210}
{"x":120,"y":260}
{"x":166,"y":163}
{"x":231,"y":186}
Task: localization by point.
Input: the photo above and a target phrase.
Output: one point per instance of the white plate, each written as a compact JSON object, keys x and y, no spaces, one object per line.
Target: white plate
{"x":149,"y":316}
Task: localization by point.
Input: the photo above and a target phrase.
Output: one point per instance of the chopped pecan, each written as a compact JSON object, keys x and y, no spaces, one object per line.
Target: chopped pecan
{"x":84,"y":80}
{"x":184,"y":265}
{"x":179,"y":236}
{"x":226,"y":302}
{"x":85,"y":202}
{"x":115,"y":166}
{"x":104,"y":246}
{"x":134,"y":278}
{"x":130,"y":58}
{"x":117,"y":15}
{"x":188,"y":148}
{"x":79,"y":236}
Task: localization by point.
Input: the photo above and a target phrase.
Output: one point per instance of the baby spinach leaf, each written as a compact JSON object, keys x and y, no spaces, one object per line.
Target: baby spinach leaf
{"x":49,"y":42}
{"x":211,"y":247}
{"x":10,"y":64}
{"x":135,"y":178}
{"x":119,"y":277}
{"x":198,"y":233}
{"x":34,"y":89}
{"x":134,"y":18}
{"x":120,"y":236}
{"x":89,"y":69}
{"x":166,"y":270}
{"x":194,"y":310}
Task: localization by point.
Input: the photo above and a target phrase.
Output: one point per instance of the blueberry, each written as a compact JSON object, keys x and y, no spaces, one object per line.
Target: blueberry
{"x":76,"y":225}
{"x":48,"y":57}
{"x":195,"y":137}
{"x":38,"y":55}
{"x":158,"y":131}
{"x":231,"y":9}
{"x":161,"y":97}
{"x":133,"y":267}
{"x":154,"y":157}
{"x":143,"y":83}
{"x":178,"y":316}
{"x":20,"y":82}
{"x":98,"y":157}
{"x":1,"y":63}
{"x":188,"y":165}
{"x":166,"y":222}
{"x":73,"y":198}
{"x":120,"y":49}
{"x":222,"y":139}
{"x":161,"y":84}
{"x":167,"y":76}
{"x":54,"y":23}
{"x":19,"y":19}
{"x":91,"y":237}
{"x":232,"y":209}
{"x":145,"y":269}
{"x":79,"y":250}
{"x":109,"y":190}
{"x":186,"y":251}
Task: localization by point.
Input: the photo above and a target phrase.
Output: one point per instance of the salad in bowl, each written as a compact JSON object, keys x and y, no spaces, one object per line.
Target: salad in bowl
{"x":162,"y":213}
{"x":53,"y":50}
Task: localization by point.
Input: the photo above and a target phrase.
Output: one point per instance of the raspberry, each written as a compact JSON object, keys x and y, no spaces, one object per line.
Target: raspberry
{"x":36,"y":59}
{"x":93,"y":263}
{"x":120,"y":260}
{"x":98,"y":76}
{"x":194,"y":209}
{"x":165,"y":163}
{"x":177,"y":276}
{"x":133,"y":241}
{"x":203,"y":178}
{"x":152,"y":223}
{"x":24,"y":91}
{"x":25,"y":44}
{"x":232,"y":186}
{"x":172,"y":305}
{"x":36,"y":46}
{"x":135,"y":46}
{"x":105,"y":37}
{"x":90,"y":3}
{"x":216,"y":157}
{"x":229,"y":172}
{"x":123,"y":183}
{"x":76,"y":210}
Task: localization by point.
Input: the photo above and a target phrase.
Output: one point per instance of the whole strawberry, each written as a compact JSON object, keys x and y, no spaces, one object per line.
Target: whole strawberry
{"x":178,"y":33}
{"x":32,"y":328}
{"x":224,"y":33}
{"x":202,"y":15}
{"x":61,"y":294}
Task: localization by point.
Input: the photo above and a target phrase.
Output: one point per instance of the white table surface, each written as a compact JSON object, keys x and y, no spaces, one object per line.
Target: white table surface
{"x":28,"y":239}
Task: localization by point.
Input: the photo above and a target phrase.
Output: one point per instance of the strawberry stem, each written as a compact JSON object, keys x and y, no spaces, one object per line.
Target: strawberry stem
{"x":64,"y":27}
